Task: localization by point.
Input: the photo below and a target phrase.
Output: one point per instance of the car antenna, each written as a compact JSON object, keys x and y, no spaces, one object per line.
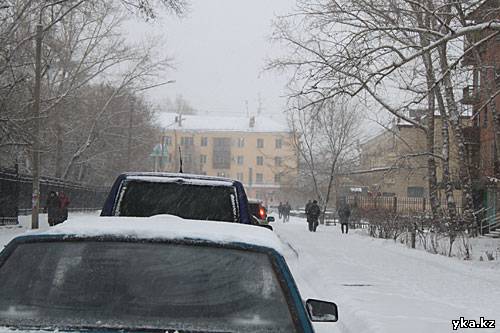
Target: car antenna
{"x":180,"y":160}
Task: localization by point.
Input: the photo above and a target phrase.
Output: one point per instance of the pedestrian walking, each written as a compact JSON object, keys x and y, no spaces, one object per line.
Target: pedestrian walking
{"x":280,"y":210}
{"x":313,"y":213}
{"x":63,"y":206}
{"x":286,"y":210}
{"x":52,"y":208}
{"x":344,"y":212}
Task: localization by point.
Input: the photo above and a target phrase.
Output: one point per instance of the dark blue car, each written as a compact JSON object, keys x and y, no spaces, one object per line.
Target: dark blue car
{"x":158,"y":274}
{"x":188,"y":196}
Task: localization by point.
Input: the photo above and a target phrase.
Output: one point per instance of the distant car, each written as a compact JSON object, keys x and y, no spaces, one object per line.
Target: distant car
{"x":185,"y":195}
{"x":157,"y":274}
{"x":259,"y":212}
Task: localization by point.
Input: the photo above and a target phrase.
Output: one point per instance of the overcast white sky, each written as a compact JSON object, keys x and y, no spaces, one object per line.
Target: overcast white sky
{"x":219,"y":50}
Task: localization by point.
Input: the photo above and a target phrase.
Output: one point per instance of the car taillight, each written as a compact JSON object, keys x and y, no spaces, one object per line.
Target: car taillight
{"x":262,"y":213}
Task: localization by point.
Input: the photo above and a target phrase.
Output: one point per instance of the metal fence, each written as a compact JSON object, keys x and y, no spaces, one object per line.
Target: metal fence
{"x":16,"y":191}
{"x":402,"y":205}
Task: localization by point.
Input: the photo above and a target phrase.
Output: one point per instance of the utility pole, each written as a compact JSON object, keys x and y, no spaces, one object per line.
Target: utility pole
{"x":35,"y":197}
{"x":130,"y":122}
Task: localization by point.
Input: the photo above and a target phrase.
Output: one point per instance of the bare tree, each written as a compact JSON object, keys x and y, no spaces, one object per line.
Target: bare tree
{"x":83,"y":48}
{"x":324,"y":137}
{"x":409,"y":49}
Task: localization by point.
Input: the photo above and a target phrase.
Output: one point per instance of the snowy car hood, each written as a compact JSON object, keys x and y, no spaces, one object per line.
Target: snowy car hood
{"x":4,"y":329}
{"x":167,"y":227}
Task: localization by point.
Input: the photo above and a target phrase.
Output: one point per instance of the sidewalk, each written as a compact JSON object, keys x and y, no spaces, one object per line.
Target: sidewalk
{"x":384,"y":287}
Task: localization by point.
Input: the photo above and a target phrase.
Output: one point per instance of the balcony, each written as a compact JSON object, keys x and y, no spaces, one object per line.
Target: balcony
{"x":470,"y":95}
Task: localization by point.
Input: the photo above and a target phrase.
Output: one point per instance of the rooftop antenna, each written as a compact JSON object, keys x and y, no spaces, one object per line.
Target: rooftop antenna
{"x":259,"y":106}
{"x":180,"y":160}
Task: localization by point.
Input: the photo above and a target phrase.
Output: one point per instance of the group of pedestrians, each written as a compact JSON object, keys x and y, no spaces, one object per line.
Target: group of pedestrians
{"x":56,"y":207}
{"x":313,"y":211}
{"x":284,"y":211}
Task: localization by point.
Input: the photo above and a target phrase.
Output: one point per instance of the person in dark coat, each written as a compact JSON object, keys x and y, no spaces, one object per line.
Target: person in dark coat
{"x":52,"y":208}
{"x":344,"y":213}
{"x":280,"y":210}
{"x":313,"y":215}
{"x":286,"y":212}
{"x":63,"y":206}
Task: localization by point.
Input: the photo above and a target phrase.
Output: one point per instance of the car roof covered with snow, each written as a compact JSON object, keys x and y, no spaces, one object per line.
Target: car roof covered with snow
{"x":173,"y":176}
{"x":165,"y":227}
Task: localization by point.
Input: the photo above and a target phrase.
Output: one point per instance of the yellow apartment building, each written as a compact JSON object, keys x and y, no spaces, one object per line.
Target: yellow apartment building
{"x":255,"y":150}
{"x":394,"y":163}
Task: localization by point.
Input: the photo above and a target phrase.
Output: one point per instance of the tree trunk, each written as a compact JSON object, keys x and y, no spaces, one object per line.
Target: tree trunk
{"x":59,"y":149}
{"x":464,"y":171}
{"x":431,"y":107}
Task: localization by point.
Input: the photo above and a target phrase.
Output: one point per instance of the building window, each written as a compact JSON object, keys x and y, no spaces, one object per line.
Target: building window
{"x":277,"y":178}
{"x":203,"y":159}
{"x":260,"y":160}
{"x":188,"y":158}
{"x":279,"y":143}
{"x":277,"y":161}
{"x":415,"y":192}
{"x":239,"y":160}
{"x":260,"y":143}
{"x":221,"y":153}
{"x":204,"y":141}
{"x":259,"y":178}
{"x":241,"y":142}
{"x":187,"y":141}
{"x":239,"y":176}
{"x":167,"y":140}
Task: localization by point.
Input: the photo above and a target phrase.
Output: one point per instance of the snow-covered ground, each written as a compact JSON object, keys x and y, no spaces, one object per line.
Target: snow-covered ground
{"x":9,"y":232}
{"x":379,"y":285}
{"x":382,"y":286}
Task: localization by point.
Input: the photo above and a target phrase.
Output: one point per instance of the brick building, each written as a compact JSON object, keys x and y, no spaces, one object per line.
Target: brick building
{"x":480,"y":95}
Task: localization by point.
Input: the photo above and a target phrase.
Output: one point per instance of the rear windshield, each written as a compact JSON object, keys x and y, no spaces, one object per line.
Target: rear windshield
{"x":141,"y":285}
{"x":189,"y":201}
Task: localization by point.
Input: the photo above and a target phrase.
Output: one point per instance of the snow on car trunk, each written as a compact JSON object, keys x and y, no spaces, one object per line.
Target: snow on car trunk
{"x":167,"y":227}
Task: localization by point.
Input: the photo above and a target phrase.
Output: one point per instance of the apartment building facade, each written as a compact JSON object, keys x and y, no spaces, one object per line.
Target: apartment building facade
{"x":482,"y":95}
{"x":255,"y":150}
{"x":394,"y":164}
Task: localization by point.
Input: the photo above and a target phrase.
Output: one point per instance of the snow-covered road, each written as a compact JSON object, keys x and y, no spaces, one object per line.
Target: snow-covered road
{"x":378,"y":285}
{"x":384,"y":287}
